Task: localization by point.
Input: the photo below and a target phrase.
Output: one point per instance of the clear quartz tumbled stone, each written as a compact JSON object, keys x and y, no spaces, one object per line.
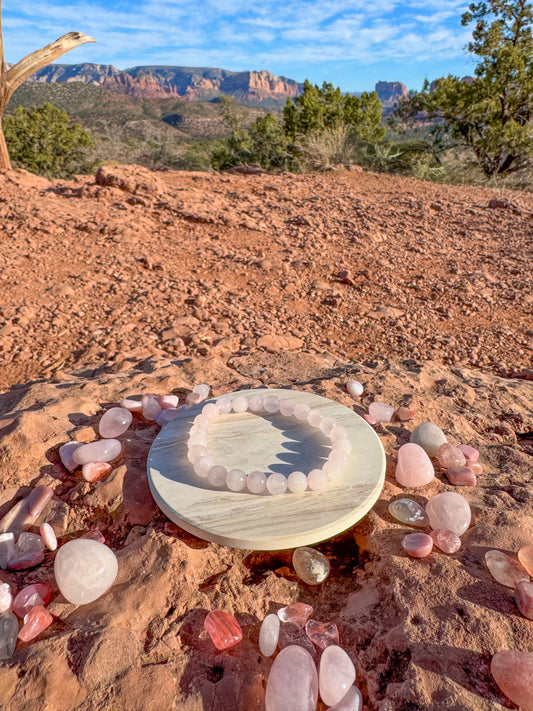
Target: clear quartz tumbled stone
{"x":84,"y":570}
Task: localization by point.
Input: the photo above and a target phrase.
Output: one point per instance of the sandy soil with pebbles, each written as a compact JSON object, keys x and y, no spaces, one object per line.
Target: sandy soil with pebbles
{"x":155,"y":282}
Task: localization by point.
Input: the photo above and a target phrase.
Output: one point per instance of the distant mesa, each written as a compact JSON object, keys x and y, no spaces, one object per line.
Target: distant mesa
{"x":389,"y":92}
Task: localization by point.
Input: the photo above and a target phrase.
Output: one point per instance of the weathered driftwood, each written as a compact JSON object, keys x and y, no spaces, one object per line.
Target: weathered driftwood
{"x":11,"y":78}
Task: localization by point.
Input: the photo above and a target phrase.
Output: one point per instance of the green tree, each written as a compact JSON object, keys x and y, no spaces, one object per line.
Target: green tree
{"x":491,"y":114}
{"x":43,"y":141}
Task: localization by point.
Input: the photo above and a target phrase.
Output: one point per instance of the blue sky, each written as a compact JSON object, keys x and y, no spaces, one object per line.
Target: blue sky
{"x":352,"y":43}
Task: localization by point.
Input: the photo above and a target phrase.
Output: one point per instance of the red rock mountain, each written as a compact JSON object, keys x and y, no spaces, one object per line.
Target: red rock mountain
{"x":390,"y":91}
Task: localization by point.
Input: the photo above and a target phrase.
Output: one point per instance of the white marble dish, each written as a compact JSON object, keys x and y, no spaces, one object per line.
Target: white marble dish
{"x":269,"y":443}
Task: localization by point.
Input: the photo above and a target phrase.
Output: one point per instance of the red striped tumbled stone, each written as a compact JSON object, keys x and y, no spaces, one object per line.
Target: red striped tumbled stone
{"x":36,"y":621}
{"x":223,"y":628}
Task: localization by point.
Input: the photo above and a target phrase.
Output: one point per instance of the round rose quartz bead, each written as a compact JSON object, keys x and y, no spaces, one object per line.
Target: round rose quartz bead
{"x":216,"y":476}
{"x":104,"y":450}
{"x":446,"y":541}
{"x":338,"y":456}
{"x":198,"y":430}
{"x":286,"y":407}
{"x":417,"y":545}
{"x":333,"y":470}
{"x":224,"y":405}
{"x":338,"y":432}
{"x":210,"y":412}
{"x":255,"y":403}
{"x":317,"y":479}
{"x":236,"y":480}
{"x":114,"y":422}
{"x":327,"y":425}
{"x":301,"y":411}
{"x":256,"y":482}
{"x":276,"y":484}
{"x":202,"y":389}
{"x":314,"y":418}
{"x":239,"y":403}
{"x":343,"y":444}
{"x":271,"y":403}
{"x":48,"y":535}
{"x":195,"y":452}
{"x":195,"y":439}
{"x":202,"y":466}
{"x":297,"y":482}
{"x":193,"y":398}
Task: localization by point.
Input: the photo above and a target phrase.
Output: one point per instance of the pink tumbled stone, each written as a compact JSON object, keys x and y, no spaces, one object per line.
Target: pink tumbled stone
{"x":223,"y":628}
{"x":355,"y":388}
{"x":66,"y":452}
{"x":168,"y":401}
{"x":381,"y":411}
{"x":414,"y":467}
{"x":322,"y":634}
{"x":104,"y":450}
{"x":446,"y":541}
{"x":523,"y":595}
{"x":114,"y":422}
{"x":6,"y":598}
{"x":461,"y":476}
{"x":449,"y":511}
{"x":94,"y":471}
{"x":193,"y":398}
{"x":131,"y":405}
{"x":292,"y":683}
{"x":450,"y":456}
{"x":36,"y":621}
{"x":298,"y":613}
{"x":94,"y":535}
{"x":525,"y":556}
{"x":471,"y":453}
{"x":202,"y":389}
{"x":512,"y":670}
{"x":30,"y":596}
{"x":504,"y":569}
{"x":368,"y":418}
{"x":476,"y":467}
{"x":336,"y":674}
{"x":353,"y":701}
{"x":48,"y":535}
{"x":417,"y":545}
{"x":150,"y":406}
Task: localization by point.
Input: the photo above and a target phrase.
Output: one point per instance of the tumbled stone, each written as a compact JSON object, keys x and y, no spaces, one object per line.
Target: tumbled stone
{"x":94,"y":535}
{"x":298,"y":613}
{"x":48,"y":535}
{"x":409,"y":512}
{"x":7,"y":548}
{"x":461,"y":476}
{"x":404,"y":414}
{"x":94,"y":471}
{"x":269,"y":635}
{"x":150,"y":406}
{"x":471,"y":454}
{"x":512,"y":670}
{"x":104,"y":450}
{"x":202,"y":389}
{"x":323,"y":634}
{"x":223,"y":628}
{"x":417,"y":545}
{"x":36,"y":621}
{"x":9,"y":629}
{"x":6,"y":598}
{"x":168,"y":402}
{"x":29,"y":552}
{"x":449,"y":511}
{"x":504,"y":569}
{"x":414,"y":467}
{"x":355,"y":388}
{"x":353,"y":701}
{"x":29,"y":596}
{"x":368,"y":418}
{"x":84,"y":570}
{"x":523,"y":595}
{"x":450,"y":456}
{"x":446,"y":541}
{"x":131,"y":405}
{"x":336,"y":674}
{"x":429,"y":437}
{"x":381,"y":411}
{"x":310,"y":565}
{"x":476,"y":467}
{"x":525,"y":556}
{"x":292,"y":682}
{"x":26,"y":512}
{"x":65,"y":454}
{"x":114,"y":422}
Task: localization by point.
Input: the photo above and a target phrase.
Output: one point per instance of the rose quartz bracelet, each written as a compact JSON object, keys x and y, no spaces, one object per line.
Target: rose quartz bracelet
{"x":258,"y":482}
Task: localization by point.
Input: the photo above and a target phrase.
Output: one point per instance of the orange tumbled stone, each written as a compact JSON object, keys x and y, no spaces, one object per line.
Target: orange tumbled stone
{"x":36,"y":621}
{"x":525,"y":556}
{"x":223,"y":628}
{"x":94,"y":471}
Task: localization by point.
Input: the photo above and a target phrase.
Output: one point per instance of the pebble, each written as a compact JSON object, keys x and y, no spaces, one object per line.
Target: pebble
{"x":168,"y":402}
{"x":36,"y":621}
{"x":504,"y":569}
{"x":525,"y":556}
{"x":104,"y":450}
{"x":461,"y":476}
{"x":94,"y":471}
{"x":446,"y":541}
{"x":65,"y":454}
{"x":202,"y":389}
{"x":409,"y":512}
{"x":513,"y":672}
{"x":48,"y":535}
{"x":310,"y":565}
{"x":298,"y":613}
{"x":353,"y":701}
{"x":292,"y":682}
{"x":449,"y":511}
{"x":368,"y":418}
{"x":476,"y":467}
{"x":417,"y":545}
{"x":29,"y":596}
{"x":115,"y":422}
{"x":355,"y":388}
{"x":322,"y":634}
{"x":336,"y":674}
{"x":150,"y":406}
{"x":6,"y":598}
{"x":9,"y":629}
{"x":450,"y":456}
{"x":403,"y":414}
{"x":131,"y":405}
{"x":429,"y":437}
{"x":84,"y":570}
{"x":269,"y":635}
{"x":381,"y":411}
{"x":414,"y":467}
{"x":523,"y":595}
{"x":471,"y":453}
{"x":7,"y":548}
{"x":223,"y":628}
{"x":29,"y":552}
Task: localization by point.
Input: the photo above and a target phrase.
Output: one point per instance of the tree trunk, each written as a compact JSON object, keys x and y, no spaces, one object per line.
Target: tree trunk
{"x":10,"y":79}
